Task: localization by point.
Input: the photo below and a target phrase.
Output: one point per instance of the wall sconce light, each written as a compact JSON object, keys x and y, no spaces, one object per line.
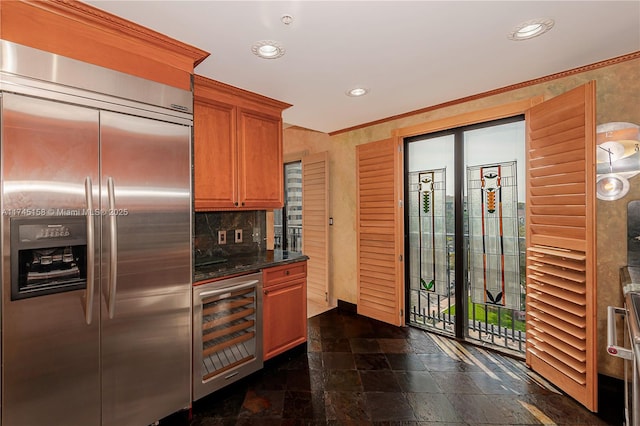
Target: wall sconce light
{"x":618,"y":158}
{"x":611,"y":187}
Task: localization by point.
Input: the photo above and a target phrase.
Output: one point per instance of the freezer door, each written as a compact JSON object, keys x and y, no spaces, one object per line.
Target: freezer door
{"x":146,"y":229}
{"x":50,"y":343}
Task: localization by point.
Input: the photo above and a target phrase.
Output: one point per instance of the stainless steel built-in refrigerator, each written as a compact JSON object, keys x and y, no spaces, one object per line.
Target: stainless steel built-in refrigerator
{"x":96,"y":252}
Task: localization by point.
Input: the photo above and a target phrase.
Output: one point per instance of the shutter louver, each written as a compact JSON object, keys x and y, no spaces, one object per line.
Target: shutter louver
{"x":561,"y":287}
{"x":378,"y":291}
{"x":315,"y":225}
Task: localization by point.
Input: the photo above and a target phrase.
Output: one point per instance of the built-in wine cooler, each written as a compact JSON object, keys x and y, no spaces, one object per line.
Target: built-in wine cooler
{"x":227,"y":332}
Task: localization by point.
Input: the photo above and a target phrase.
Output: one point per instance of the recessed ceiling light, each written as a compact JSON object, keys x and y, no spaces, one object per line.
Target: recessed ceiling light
{"x":530,"y":29}
{"x":357,"y":91}
{"x":268,"y":49}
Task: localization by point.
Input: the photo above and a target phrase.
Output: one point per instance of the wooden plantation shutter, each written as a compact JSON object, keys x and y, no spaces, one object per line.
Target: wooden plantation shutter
{"x":315,"y":225}
{"x":380,"y":293}
{"x":561,"y":233}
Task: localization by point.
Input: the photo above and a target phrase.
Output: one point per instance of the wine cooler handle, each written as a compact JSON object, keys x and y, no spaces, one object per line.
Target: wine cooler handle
{"x":612,"y":332}
{"x":113,"y":249}
{"x":242,"y":286}
{"x":91,"y":252}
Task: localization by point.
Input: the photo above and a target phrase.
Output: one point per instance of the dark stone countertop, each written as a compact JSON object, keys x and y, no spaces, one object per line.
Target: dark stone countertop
{"x":246,"y":264}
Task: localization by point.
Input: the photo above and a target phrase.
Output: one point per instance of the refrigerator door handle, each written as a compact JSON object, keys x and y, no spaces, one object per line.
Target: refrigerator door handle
{"x":113,"y":249}
{"x":91,"y":252}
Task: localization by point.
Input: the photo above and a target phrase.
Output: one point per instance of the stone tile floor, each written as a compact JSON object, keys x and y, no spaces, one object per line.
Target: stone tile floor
{"x":358,"y":371}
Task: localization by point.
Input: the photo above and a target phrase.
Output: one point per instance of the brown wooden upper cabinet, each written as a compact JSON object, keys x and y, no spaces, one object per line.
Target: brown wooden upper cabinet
{"x":237,"y":148}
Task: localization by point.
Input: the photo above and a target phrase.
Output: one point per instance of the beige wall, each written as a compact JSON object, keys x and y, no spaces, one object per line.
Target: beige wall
{"x":618,"y":99}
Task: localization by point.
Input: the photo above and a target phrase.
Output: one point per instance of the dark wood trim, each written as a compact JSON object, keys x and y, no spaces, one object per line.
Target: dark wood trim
{"x":347,"y":307}
{"x":601,"y":64}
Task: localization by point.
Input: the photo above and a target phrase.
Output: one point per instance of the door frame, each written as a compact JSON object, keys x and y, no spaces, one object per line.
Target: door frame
{"x":462,"y":120}
{"x":459,"y":184}
{"x":587,"y":394}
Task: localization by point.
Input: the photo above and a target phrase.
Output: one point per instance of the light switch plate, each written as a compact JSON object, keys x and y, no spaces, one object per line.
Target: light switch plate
{"x":238,"y":235}
{"x":222,"y":237}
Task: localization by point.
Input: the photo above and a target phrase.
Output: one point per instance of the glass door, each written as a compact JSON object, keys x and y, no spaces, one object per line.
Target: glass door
{"x":465,"y":232}
{"x":494,"y":194}
{"x":431,"y":212}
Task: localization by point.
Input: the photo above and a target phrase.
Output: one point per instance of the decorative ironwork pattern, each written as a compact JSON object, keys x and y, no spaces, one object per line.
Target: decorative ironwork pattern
{"x":428,"y":235}
{"x":494,"y":264}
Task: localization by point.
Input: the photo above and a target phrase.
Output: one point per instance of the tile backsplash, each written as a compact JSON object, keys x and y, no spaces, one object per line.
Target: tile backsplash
{"x":208,"y":225}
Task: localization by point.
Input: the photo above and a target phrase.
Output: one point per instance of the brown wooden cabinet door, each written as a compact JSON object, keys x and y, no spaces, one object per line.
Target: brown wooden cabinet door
{"x":260,"y":160}
{"x":215,"y":156}
{"x":284,"y":317}
{"x":237,"y":148}
{"x":284,"y":308}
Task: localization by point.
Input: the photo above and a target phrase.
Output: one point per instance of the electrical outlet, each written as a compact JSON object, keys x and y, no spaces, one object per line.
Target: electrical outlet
{"x":222,"y":237}
{"x":238,"y":235}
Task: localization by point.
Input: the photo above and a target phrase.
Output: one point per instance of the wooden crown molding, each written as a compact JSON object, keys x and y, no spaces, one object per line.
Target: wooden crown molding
{"x":602,"y":64}
{"x":95,"y":17}
{"x":486,"y":114}
{"x":203,"y":84}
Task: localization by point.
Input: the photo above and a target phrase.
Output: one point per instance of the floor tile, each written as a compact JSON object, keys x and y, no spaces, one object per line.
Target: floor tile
{"x":364,"y":345}
{"x":304,"y":405}
{"x":317,"y":379}
{"x":262,"y":404}
{"x":298,"y":379}
{"x":388,"y":406}
{"x":454,"y":382}
{"x":498,"y":383}
{"x":444,"y":362}
{"x":346,"y":407}
{"x":342,"y":381}
{"x":417,"y":381}
{"x":433,"y":407}
{"x":338,"y":361}
{"x":371,"y":362}
{"x":315,"y":360}
{"x":357,"y":371}
{"x":379,"y":381}
{"x":477,"y":409}
{"x":405,"y":362}
{"x":335,"y":345}
{"x":314,"y":345}
{"x":359,"y":329}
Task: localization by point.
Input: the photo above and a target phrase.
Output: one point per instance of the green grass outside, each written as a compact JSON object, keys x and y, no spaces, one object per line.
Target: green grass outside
{"x":491,"y":316}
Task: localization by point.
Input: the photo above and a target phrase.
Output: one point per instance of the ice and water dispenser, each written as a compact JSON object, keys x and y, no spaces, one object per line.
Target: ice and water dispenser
{"x":48,"y":255}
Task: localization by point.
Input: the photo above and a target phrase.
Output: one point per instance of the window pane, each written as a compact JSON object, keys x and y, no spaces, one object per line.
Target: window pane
{"x":494,"y":199}
{"x":430,"y":210}
{"x":288,"y":220}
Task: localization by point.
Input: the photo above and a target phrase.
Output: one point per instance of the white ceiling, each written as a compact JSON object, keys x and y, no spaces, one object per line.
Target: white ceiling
{"x":410,"y":54}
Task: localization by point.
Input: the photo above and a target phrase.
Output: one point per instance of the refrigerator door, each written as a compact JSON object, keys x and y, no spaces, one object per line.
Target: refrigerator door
{"x":50,"y":343}
{"x":146,"y":231}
